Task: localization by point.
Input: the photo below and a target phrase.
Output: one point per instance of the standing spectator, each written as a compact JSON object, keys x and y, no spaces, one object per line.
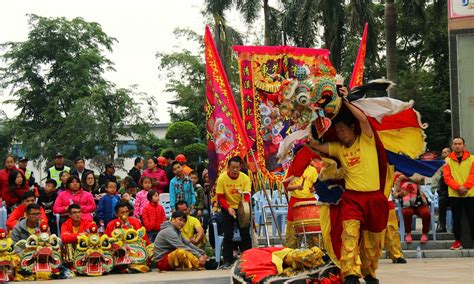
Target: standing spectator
{"x":153,"y":215}
{"x":169,"y":156}
{"x":17,"y":185}
{"x":74,"y":225}
{"x":162,"y":163}
{"x":442,"y":190}
{"x":201,"y":208}
{"x":22,"y":164}
{"x":19,"y":213}
{"x":9,"y":162}
{"x":458,"y":174}
{"x":108,"y":174}
{"x":181,"y":187}
{"x":136,"y":171}
{"x":74,"y":194}
{"x":420,"y":207}
{"x":107,"y":203}
{"x":157,"y":175}
{"x":141,"y":200}
{"x":124,"y":183}
{"x":89,"y":184}
{"x":80,"y":168}
{"x":46,"y":200}
{"x":192,"y":229}
{"x":29,"y":225}
{"x":182,"y":159}
{"x":63,"y":177}
{"x":228,"y":186}
{"x":54,"y":171}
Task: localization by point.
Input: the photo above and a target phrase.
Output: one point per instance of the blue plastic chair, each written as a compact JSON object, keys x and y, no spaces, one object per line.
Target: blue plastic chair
{"x":219,"y":240}
{"x":58,"y":226}
{"x":165,"y":202}
{"x":3,"y":217}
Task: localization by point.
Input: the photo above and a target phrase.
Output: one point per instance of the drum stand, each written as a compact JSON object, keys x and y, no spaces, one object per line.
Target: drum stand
{"x":304,"y":236}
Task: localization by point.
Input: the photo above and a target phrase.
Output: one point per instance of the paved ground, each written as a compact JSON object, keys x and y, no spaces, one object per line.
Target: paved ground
{"x":434,"y":270}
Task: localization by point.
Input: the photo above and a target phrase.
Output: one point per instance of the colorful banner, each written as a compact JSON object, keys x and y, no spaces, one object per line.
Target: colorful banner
{"x":225,"y":131}
{"x":280,"y":87}
{"x":357,"y":78}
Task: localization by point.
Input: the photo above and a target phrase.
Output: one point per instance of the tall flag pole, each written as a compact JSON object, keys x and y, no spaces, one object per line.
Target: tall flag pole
{"x":225,"y":131}
{"x":357,"y":78}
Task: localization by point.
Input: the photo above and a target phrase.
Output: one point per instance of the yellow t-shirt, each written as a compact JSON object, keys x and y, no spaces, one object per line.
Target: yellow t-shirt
{"x":32,"y":231}
{"x":310,"y":175}
{"x":230,"y":188}
{"x":359,"y":162}
{"x":189,"y":229}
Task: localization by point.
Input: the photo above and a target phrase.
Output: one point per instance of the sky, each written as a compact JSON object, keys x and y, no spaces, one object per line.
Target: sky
{"x":142,"y":28}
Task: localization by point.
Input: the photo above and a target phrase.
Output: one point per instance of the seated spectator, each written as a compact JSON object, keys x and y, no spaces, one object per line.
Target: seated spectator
{"x":9,"y":162}
{"x":74,"y":194}
{"x":124,"y":184}
{"x":181,"y":187}
{"x":46,"y":201}
{"x":132,"y":189}
{"x":80,"y":168}
{"x":201,"y":210}
{"x":122,"y":211}
{"x":29,"y":225}
{"x":158,"y":176}
{"x":420,"y":207}
{"x":192,"y":229}
{"x":18,"y":213}
{"x":153,"y":215}
{"x":172,"y":250}
{"x":107,"y":203}
{"x":89,"y":184}
{"x":108,"y":174}
{"x":17,"y":185}
{"x":74,"y":226}
{"x":126,"y":197}
{"x":63,"y":177}
{"x":141,"y":200}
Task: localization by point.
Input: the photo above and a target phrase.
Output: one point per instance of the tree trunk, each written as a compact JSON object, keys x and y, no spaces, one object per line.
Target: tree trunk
{"x":391,"y":41}
{"x":266,"y":28}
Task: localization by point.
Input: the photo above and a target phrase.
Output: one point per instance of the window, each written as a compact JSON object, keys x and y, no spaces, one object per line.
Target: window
{"x":127,"y":148}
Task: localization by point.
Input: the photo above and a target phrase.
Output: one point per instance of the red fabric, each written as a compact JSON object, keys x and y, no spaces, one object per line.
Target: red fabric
{"x":134,"y":222}
{"x":281,"y":50}
{"x":391,"y":205}
{"x":423,"y":212}
{"x":153,"y":216}
{"x":357,"y":78}
{"x":405,"y":118}
{"x":159,"y":176}
{"x":370,"y":208}
{"x":222,"y":201}
{"x":448,"y":177}
{"x":67,"y":231}
{"x":257,"y":263}
{"x":4,"y":173}
{"x":82,"y":198}
{"x":163,"y":264}
{"x":292,"y":202}
{"x":19,"y":213}
{"x":300,"y":162}
{"x":11,"y":198}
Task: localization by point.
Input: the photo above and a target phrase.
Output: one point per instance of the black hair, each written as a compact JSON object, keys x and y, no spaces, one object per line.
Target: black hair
{"x":150,"y":194}
{"x":79,"y":159}
{"x":175,"y":163}
{"x":137,"y":160}
{"x":236,"y":159}
{"x":168,"y":154}
{"x":459,"y":137}
{"x":344,"y":116}
{"x":9,"y":156}
{"x":143,"y":178}
{"x":195,"y":173}
{"x":26,"y":195}
{"x":51,"y":181}
{"x":31,"y":207}
{"x":177,"y":214}
{"x":62,"y":173}
{"x":73,"y":206}
{"x":180,"y":203}
{"x":131,"y":184}
{"x":109,"y":181}
{"x":120,"y":205}
{"x":12,"y":178}
{"x":84,"y":182}
{"x":154,"y":159}
{"x":71,"y":179}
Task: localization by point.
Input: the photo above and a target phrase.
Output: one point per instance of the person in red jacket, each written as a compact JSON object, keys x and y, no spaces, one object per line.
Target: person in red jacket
{"x":9,"y":163}
{"x":74,"y":226}
{"x":153,"y":215}
{"x":18,"y":213}
{"x":122,"y":211}
{"x":17,"y":185}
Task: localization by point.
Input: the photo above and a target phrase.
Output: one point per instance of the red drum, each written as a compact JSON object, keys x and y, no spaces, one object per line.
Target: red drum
{"x":306,"y":217}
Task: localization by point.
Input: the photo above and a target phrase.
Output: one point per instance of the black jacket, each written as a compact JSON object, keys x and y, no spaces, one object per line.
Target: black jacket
{"x":135,"y":174}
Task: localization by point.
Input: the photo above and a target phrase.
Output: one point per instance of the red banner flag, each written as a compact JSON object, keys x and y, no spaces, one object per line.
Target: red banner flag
{"x":225,"y":132}
{"x":357,"y":78}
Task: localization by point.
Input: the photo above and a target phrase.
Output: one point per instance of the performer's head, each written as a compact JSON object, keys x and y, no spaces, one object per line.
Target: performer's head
{"x":458,"y":145}
{"x":445,"y":152}
{"x":122,"y":210}
{"x":178,"y":219}
{"x":234,"y":165}
{"x":344,"y":124}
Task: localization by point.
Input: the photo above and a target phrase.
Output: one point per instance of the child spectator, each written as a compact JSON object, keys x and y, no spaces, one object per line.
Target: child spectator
{"x":201,"y":210}
{"x":128,"y":198}
{"x":18,"y":213}
{"x":63,"y":176}
{"x":141,"y":200}
{"x":132,"y":190}
{"x":46,"y":201}
{"x":124,"y":183}
{"x":17,"y":185}
{"x":107,"y":203}
{"x":153,"y":215}
{"x":181,"y":187}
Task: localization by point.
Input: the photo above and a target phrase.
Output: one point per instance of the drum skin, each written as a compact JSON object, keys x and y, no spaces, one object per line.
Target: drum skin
{"x":243,"y":213}
{"x":306,"y":217}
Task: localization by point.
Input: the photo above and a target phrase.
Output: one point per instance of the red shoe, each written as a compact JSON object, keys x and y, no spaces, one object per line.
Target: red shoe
{"x":408,"y":238}
{"x":456,"y":245}
{"x":424,"y":239}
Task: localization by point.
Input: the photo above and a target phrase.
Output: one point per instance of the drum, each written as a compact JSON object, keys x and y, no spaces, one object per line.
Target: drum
{"x":306,"y":217}
{"x":243,"y":214}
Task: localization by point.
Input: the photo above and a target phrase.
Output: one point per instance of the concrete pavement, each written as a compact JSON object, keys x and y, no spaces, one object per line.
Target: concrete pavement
{"x":429,"y":270}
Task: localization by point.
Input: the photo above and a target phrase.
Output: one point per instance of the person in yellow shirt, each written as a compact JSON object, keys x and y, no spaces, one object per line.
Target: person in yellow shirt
{"x":192,"y":230}
{"x":300,"y":189}
{"x":229,"y":187}
{"x":364,"y":207}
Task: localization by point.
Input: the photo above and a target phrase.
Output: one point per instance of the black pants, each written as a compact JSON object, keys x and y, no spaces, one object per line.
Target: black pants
{"x":459,"y":204}
{"x":228,"y":228}
{"x":443,"y":207}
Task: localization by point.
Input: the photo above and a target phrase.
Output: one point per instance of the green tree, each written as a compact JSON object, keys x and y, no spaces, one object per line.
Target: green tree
{"x":195,"y":152}
{"x":182,"y":133}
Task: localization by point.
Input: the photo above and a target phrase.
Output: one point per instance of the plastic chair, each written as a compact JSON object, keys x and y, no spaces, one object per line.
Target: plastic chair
{"x":219,"y":240}
{"x":58,"y":221}
{"x":165,"y":202}
{"x":3,"y":217}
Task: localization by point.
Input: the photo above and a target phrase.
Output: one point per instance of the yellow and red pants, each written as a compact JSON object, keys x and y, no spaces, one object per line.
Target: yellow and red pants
{"x":392,"y":236}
